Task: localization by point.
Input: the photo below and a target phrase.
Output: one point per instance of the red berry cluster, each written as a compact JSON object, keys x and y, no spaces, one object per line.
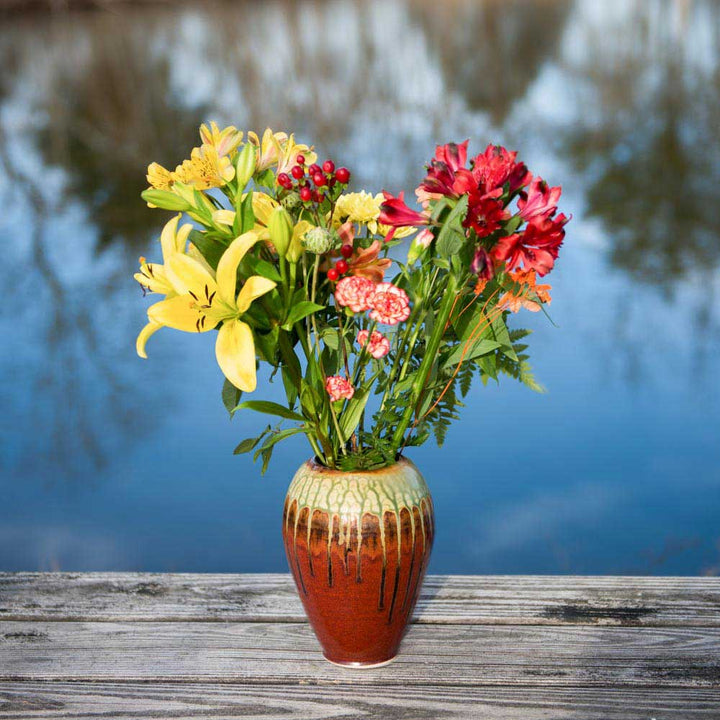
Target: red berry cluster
{"x":303,"y":178}
{"x":341,"y":266}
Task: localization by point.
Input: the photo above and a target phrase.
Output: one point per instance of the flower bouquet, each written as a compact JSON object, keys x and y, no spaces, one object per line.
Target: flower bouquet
{"x":374,"y":316}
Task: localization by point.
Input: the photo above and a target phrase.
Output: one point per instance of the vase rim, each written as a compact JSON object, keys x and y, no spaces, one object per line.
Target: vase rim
{"x":318,"y":467}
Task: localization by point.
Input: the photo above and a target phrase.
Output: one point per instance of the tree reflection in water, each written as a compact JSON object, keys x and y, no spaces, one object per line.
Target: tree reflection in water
{"x":650,"y":146}
{"x":491,"y":52}
{"x":107,"y":106}
{"x":379,"y":83}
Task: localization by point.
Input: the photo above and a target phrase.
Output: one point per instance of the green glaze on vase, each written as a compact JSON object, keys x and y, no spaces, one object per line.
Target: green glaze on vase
{"x":358,"y":544}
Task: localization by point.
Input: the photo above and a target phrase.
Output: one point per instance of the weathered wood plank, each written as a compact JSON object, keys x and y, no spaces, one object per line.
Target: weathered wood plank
{"x":549,"y":600}
{"x":269,"y":653}
{"x":134,"y":701}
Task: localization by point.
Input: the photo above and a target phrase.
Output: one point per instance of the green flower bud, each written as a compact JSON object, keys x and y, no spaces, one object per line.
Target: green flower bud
{"x":165,"y":199}
{"x":280,"y":228}
{"x":245,"y":165}
{"x":319,"y":240}
{"x":291,"y":200}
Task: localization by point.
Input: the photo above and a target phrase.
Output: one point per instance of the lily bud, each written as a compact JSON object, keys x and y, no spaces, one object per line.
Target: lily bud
{"x":245,"y":165}
{"x":280,"y":228}
{"x":165,"y":200}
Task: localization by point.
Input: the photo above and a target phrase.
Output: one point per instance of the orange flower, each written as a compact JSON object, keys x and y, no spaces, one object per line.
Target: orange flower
{"x":366,"y":263}
{"x":528,"y":282}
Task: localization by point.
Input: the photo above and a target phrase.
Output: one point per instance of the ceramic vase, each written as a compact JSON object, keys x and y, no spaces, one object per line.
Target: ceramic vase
{"x":358,"y":544}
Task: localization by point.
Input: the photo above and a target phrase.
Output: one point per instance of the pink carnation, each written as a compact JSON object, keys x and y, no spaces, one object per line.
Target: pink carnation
{"x":354,"y":292}
{"x":390,"y":305}
{"x":379,"y":345}
{"x":339,"y":388}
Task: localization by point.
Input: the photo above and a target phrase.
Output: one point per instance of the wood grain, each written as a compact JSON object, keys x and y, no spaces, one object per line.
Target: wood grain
{"x":212,"y":701}
{"x":147,"y":646}
{"x":288,"y":653}
{"x":485,"y":600}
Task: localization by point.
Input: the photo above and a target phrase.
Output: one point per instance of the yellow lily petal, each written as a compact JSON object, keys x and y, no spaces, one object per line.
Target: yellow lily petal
{"x":150,"y":329}
{"x":167,"y":237}
{"x":235,"y":353}
{"x":253,"y":288}
{"x":223,"y":217}
{"x":228,"y":265}
{"x":181,"y":313}
{"x":154,"y":278}
{"x":189,"y":276}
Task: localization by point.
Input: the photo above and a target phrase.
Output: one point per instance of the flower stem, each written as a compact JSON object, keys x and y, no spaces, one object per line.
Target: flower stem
{"x":429,"y":358}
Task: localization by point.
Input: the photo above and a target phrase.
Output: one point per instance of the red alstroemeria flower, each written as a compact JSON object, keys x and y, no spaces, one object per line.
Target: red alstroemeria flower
{"x":540,"y":200}
{"x":496,"y":166}
{"x":485,"y":213}
{"x":536,"y":248}
{"x":454,"y":155}
{"x":395,"y":213}
{"x":442,"y":179}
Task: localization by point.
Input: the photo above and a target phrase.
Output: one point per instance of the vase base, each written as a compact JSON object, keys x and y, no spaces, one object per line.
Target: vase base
{"x":360,"y":665}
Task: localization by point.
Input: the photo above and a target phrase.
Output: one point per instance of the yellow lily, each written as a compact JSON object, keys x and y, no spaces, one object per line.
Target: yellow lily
{"x":224,"y":141}
{"x":205,"y":299}
{"x":154,"y":276}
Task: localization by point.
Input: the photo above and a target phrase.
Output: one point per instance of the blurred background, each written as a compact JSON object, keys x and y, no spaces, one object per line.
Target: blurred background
{"x":111,"y":462}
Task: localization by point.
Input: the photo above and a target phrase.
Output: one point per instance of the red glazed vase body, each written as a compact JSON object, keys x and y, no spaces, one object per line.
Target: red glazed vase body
{"x":358,"y":544}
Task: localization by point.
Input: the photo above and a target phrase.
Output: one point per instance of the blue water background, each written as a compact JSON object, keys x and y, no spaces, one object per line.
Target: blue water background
{"x":113,"y":463}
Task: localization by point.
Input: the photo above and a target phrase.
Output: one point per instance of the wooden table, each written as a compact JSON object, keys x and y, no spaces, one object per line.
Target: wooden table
{"x":144,"y":646}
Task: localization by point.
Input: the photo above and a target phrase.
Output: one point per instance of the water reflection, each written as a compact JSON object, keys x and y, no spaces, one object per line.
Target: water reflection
{"x":618,"y":100}
{"x":491,"y":52}
{"x":647,"y":137}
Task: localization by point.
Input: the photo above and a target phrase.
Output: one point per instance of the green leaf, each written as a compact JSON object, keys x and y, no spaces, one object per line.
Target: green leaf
{"x":267,"y":343}
{"x":330,"y":338}
{"x":258,"y":266}
{"x":452,"y":236}
{"x":300,"y":311}
{"x":477,"y":348}
{"x":246,"y":445}
{"x":270,"y":408}
{"x":500,"y":332}
{"x":230,"y":396}
{"x":266,"y":455}
{"x":350,"y":418}
{"x":244,"y":215}
{"x":210,"y":247}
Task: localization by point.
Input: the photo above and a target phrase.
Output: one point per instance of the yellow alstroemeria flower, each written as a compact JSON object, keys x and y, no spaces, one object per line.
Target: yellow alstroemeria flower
{"x":159,"y":177}
{"x":279,"y":149}
{"x":289,"y":154}
{"x":205,"y":169}
{"x":205,"y":299}
{"x":269,"y":148}
{"x":224,"y":141}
